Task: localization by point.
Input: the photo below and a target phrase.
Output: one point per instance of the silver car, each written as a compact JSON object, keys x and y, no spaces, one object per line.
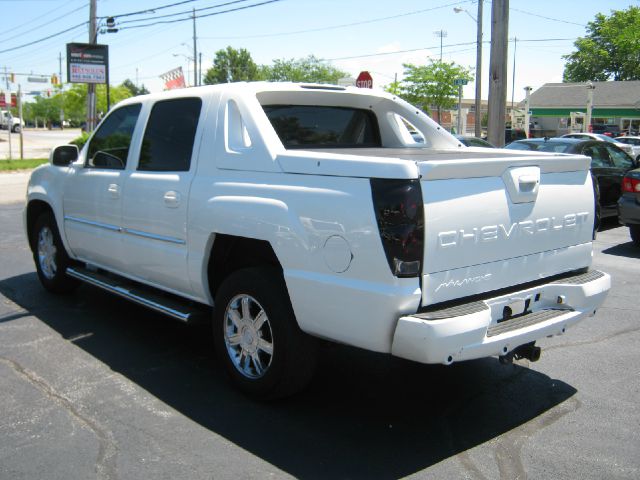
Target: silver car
{"x":601,"y":138}
{"x":635,"y":145}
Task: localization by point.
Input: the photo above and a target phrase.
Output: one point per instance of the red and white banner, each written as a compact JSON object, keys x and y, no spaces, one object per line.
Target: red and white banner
{"x":173,"y":79}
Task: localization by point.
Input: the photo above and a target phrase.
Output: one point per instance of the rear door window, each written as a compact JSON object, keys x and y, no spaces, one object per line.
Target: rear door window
{"x":619,"y":158}
{"x":599,"y":156}
{"x":168,"y":139}
{"x":310,"y":126}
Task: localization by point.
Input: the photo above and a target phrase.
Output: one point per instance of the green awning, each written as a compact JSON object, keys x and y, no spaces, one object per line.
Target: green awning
{"x":596,"y":112}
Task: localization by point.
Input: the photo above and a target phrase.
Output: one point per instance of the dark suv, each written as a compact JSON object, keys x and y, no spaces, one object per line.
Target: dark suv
{"x":608,"y":130}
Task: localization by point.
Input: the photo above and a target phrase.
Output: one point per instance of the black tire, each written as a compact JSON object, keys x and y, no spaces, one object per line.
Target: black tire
{"x":50,"y":257}
{"x":16,"y":129}
{"x":634,"y":230}
{"x":264,"y":352}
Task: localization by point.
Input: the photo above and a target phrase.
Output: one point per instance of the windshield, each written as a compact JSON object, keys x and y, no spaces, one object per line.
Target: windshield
{"x":556,"y":147}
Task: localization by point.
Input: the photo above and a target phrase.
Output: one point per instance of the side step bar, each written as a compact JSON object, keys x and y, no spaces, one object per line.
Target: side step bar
{"x":168,"y":304}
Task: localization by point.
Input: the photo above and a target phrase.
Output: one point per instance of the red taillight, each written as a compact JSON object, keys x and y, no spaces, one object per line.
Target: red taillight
{"x":631,"y":185}
{"x":400,"y":216}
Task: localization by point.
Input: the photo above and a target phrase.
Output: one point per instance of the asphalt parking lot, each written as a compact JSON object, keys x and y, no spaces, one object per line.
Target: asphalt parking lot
{"x":94,"y":387}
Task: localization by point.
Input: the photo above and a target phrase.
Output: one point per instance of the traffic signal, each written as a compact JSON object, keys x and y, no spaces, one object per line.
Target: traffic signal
{"x":54,"y":79}
{"x":12,"y":77}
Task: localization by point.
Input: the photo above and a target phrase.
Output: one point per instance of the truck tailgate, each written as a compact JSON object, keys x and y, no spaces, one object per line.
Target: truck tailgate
{"x":503,"y":220}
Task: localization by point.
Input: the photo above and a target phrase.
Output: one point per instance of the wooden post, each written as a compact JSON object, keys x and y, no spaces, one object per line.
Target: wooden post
{"x":498,"y":71}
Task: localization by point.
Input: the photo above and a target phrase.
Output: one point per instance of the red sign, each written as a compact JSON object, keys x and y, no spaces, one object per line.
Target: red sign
{"x":14,"y":100}
{"x":3,"y":102}
{"x":173,"y":79}
{"x":364,"y":80}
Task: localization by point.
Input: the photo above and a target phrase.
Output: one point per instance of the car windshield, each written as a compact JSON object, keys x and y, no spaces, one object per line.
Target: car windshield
{"x":557,"y":147}
{"x":605,"y":138}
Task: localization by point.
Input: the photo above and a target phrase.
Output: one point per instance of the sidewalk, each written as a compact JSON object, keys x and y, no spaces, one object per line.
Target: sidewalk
{"x":36,"y":143}
{"x":13,"y":186}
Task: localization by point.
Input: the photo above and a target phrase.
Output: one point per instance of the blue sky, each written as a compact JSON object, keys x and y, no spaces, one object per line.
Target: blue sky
{"x":378,"y":36}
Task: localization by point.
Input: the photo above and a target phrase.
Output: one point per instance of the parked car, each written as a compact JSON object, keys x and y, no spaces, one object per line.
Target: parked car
{"x":610,"y":130}
{"x":513,"y":134}
{"x":629,"y":204}
{"x":609,"y":164}
{"x":634,"y":141}
{"x":471,"y":141}
{"x":601,"y":138}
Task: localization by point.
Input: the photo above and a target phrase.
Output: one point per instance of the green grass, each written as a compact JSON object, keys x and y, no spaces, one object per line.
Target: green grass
{"x":25,"y":164}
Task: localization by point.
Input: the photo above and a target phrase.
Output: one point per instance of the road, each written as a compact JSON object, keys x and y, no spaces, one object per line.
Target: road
{"x":36,"y":143}
{"x":94,"y":387}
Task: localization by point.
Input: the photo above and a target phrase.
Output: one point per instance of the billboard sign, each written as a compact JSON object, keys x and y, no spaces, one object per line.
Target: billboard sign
{"x":87,"y":63}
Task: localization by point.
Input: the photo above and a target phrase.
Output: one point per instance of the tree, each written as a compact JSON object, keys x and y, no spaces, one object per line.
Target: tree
{"x":304,"y":70}
{"x":609,"y":51}
{"x":431,"y":85}
{"x":135,"y":90}
{"x":232,"y":65}
{"x":73,"y":102}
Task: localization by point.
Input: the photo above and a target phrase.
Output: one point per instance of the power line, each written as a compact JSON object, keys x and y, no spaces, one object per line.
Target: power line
{"x":44,"y":39}
{"x":189,"y":18}
{"x":344,"y":25}
{"x":45,"y":24}
{"x":186,"y":12}
{"x":148,"y":10}
{"x":438,"y":46}
{"x":547,"y":18}
{"x":397,"y":51}
{"x":38,"y":18}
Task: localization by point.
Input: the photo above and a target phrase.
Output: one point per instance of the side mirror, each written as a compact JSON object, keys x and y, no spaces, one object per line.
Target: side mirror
{"x":63,"y":155}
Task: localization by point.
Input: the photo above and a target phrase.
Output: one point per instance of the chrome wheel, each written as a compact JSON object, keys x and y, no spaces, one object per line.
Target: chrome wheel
{"x":47,"y":253}
{"x":248,"y":336}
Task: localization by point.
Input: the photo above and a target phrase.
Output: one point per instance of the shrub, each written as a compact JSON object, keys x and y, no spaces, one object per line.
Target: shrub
{"x":81,"y":140}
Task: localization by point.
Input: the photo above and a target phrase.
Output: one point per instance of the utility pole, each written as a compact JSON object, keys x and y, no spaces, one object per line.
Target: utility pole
{"x":498,"y":71}
{"x":478,"y":105}
{"x":91,"y":88}
{"x":19,"y":99}
{"x":513,"y":75}
{"x":527,"y":109}
{"x":440,"y":33}
{"x":195,"y":52}
{"x":8,"y":118}
{"x":60,"y":83}
{"x":587,"y":120}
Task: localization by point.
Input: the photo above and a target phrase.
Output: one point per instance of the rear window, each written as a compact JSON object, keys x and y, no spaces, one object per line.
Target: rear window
{"x":311,"y":126}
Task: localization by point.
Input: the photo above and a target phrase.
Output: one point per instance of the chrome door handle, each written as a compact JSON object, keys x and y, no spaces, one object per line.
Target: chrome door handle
{"x":114,"y":190}
{"x":172,"y":199}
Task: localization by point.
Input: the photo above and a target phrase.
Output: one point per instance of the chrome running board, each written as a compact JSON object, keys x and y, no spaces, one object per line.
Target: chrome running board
{"x":165,"y":303}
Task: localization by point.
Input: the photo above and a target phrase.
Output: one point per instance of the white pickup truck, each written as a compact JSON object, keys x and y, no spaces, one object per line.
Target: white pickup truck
{"x":7,"y":119}
{"x":305,"y":212}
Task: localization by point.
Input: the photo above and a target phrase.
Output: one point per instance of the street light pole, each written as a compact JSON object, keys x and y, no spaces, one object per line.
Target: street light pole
{"x":195,"y":52}
{"x":478,"y":99}
{"x":91,"y":88}
{"x":441,"y":34}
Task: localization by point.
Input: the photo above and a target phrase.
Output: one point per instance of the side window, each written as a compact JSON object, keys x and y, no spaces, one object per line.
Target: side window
{"x":168,"y":139}
{"x":109,"y":146}
{"x":599,"y":156}
{"x":619,"y":158}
